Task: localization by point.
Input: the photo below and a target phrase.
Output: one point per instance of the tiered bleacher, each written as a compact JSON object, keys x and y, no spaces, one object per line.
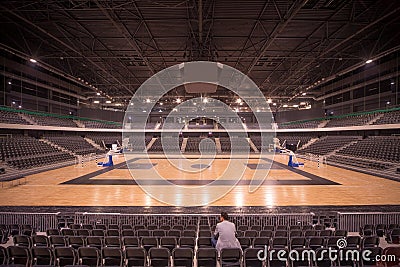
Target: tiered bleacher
{"x":192,"y":145}
{"x":299,"y":125}
{"x":24,"y":152}
{"x":98,"y":124}
{"x":187,"y":243}
{"x":328,"y":144}
{"x":237,"y":143}
{"x":391,"y":117}
{"x":51,"y":121}
{"x":356,"y":120}
{"x":73,"y":143}
{"x":300,"y":139}
{"x":105,"y":138}
{"x":11,"y":117}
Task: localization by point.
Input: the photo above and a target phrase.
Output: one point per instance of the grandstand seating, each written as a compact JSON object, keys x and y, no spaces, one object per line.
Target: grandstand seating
{"x":192,"y":145}
{"x":128,"y":244}
{"x":161,"y":145}
{"x":75,"y":144}
{"x":351,"y":120}
{"x":390,"y":117}
{"x":107,"y":138}
{"x":328,"y":144}
{"x":51,"y":121}
{"x":294,"y":139}
{"x":98,"y":124}
{"x":11,"y":117}
{"x":239,"y":145}
{"x":23,"y":152}
{"x":299,"y":125}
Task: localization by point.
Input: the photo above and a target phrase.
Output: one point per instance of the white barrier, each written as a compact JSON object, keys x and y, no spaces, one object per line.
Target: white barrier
{"x":82,"y":160}
{"x":319,"y":160}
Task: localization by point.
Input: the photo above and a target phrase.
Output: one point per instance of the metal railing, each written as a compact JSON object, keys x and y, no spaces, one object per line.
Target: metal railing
{"x":39,"y":221}
{"x":352,"y":221}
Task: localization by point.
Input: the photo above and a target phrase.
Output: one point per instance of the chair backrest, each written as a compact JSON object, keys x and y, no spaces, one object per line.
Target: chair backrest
{"x":112,"y":257}
{"x":18,"y":255}
{"x":89,"y":256}
{"x":206,"y":257}
{"x":159,"y":257}
{"x":182,"y":257}
{"x":230,"y":256}
{"x":40,"y":241}
{"x":42,"y":256}
{"x":130,"y":241}
{"x":250,"y":258}
{"x":392,"y":251}
{"x":65,"y":256}
{"x":135,"y":256}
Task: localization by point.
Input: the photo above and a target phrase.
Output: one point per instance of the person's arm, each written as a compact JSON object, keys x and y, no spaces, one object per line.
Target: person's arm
{"x":216,"y":232}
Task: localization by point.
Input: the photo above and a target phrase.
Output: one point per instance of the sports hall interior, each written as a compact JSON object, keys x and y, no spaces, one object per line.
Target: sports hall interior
{"x":306,"y":156}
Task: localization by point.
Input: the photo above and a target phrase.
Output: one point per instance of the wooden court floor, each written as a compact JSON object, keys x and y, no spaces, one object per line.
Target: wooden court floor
{"x":308,"y":186}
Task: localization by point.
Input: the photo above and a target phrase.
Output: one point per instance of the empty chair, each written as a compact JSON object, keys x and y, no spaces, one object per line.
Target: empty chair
{"x":281,"y":228}
{"x":370,"y":259}
{"x":130,"y":241}
{"x":65,"y":256}
{"x":112,"y":257}
{"x":158,"y":233}
{"x":310,"y":233}
{"x":142,"y":232}
{"x":251,"y":233}
{"x":168,"y":242}
{"x":300,"y":258}
{"x":341,"y":233}
{"x":230,"y":257}
{"x":332,"y":241}
{"x":18,"y":255}
{"x":242,"y":228}
{"x":139,"y":227}
{"x":245,"y":242}
{"x":82,"y":232}
{"x":149,"y":242}
{"x":75,"y":226}
{"x":27,"y":229}
{"x":266,"y":233}
{"x":152,"y":227}
{"x":394,"y":236}
{"x":159,"y":257}
{"x":295,"y":227}
{"x":279,"y":242}
{"x":380,"y":229}
{"x":189,"y":233}
{"x":275,"y":261}
{"x":319,"y":227}
{"x":112,"y":232}
{"x":307,"y":227}
{"x":94,"y":241}
{"x":100,"y":227}
{"x":176,"y":233}
{"x":297,"y":242}
{"x":40,"y":241}
{"x":395,"y":251}
{"x":370,"y":241}
{"x":367,"y":230}
{"x":22,"y":240}
{"x":76,"y":242}
{"x":316,"y":243}
{"x":322,"y":258}
{"x":205,"y":233}
{"x":3,"y":255}
{"x":128,"y":232}
{"x":178,"y":227}
{"x":135,"y":257}
{"x":187,"y":242}
{"x":87,"y":226}
{"x":50,"y":232}
{"x":269,"y":228}
{"x":203,"y":242}
{"x":256,"y":228}
{"x":182,"y":257}
{"x":353,"y":241}
{"x":42,"y":256}
{"x":206,"y":257}
{"x":295,"y":233}
{"x":281,"y":234}
{"x":98,"y":232}
{"x":88,"y":256}
{"x":14,"y":229}
{"x":191,"y":227}
{"x":261,"y":242}
{"x":250,"y":258}
{"x":126,"y":227}
{"x":167,"y":227}
{"x":325,"y":233}
{"x":113,"y":227}
{"x":67,"y":232}
{"x":58,"y":241}
{"x":112,"y":241}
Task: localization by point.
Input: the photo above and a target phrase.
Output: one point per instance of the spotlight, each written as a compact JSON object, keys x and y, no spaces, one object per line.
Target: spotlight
{"x":205,"y":100}
{"x":303,"y":94}
{"x":97,"y":93}
{"x":32,"y":60}
{"x":178,"y":100}
{"x":269,"y":100}
{"x":238,"y":100}
{"x":368,"y":61}
{"x":148,"y":100}
{"x":285,"y":106}
{"x":9,"y":82}
{"x":108,"y":102}
{"x":96,"y":102}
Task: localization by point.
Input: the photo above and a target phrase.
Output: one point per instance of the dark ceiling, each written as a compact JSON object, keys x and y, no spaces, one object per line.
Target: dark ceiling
{"x":284,"y":46}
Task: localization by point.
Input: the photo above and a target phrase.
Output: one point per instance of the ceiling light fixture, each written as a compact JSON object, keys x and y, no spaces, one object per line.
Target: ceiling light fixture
{"x":368,"y":61}
{"x":33,"y":60}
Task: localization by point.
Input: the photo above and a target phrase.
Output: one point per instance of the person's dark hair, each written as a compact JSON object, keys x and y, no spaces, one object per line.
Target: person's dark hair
{"x":224,"y":215}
